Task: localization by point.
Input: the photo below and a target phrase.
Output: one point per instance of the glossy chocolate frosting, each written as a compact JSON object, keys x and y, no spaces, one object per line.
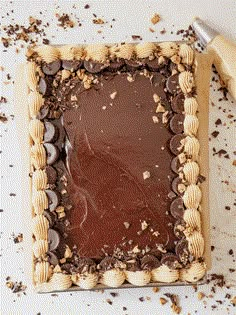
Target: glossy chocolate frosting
{"x":119,"y":165}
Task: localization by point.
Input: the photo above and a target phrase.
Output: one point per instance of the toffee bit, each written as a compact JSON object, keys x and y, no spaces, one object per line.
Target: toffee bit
{"x":113,"y":95}
{"x":98,"y":21}
{"x":163,"y":301}
{"x":155,"y":289}
{"x":156,"y":98}
{"x":146,"y":175}
{"x":160,"y":109}
{"x":200,"y":295}
{"x":155,"y":19}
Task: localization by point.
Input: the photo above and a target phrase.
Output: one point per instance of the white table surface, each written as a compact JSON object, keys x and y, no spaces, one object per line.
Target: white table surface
{"x":131,"y":17}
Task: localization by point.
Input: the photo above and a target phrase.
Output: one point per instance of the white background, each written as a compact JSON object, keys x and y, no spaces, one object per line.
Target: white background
{"x":131,"y":17}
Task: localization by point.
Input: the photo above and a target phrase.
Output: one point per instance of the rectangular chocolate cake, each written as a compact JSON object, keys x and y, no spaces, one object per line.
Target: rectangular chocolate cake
{"x":116,"y":182}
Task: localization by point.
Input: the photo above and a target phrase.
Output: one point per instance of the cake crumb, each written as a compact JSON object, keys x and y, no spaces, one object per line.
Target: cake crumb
{"x":155,"y":18}
{"x":163,"y":301}
{"x":155,"y":289}
{"x":113,"y":95}
{"x":200,"y":295}
{"x":151,"y":30}
{"x":146,"y":175}
{"x":98,"y":21}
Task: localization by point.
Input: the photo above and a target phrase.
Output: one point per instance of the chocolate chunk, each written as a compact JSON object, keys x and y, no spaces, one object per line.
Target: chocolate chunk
{"x":181,"y":250}
{"x":172,"y":83}
{"x":108,"y":263}
{"x":53,"y":239}
{"x":171,"y":260}
{"x":175,"y":183}
{"x":158,"y":83}
{"x":94,"y":67}
{"x":72,"y":65}
{"x":149,"y":262}
{"x":61,"y":137}
{"x":52,"y":153}
{"x":67,"y":268}
{"x":44,"y":87}
{"x":177,"y":123}
{"x":53,"y":199}
{"x":179,"y":228}
{"x":177,"y":208}
{"x":51,"y":174}
{"x":177,"y":103}
{"x":175,"y":144}
{"x":116,"y":65}
{"x":175,"y":165}
{"x":43,"y":113}
{"x":50,"y":133}
{"x":153,"y":65}
{"x":53,"y":260}
{"x":132,"y":65}
{"x":60,"y":252}
{"x":52,"y":67}
{"x":50,"y":216}
{"x":86,"y":265}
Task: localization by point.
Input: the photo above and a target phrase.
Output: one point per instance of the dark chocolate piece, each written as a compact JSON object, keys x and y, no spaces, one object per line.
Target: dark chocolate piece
{"x":177,"y":208}
{"x":44,"y":87}
{"x":72,"y":65}
{"x":175,"y":144}
{"x":52,"y":153}
{"x":86,"y":265}
{"x":175,"y":164}
{"x":109,"y":263}
{"x":52,"y":67}
{"x":94,"y":67}
{"x":176,"y":123}
{"x":172,"y":83}
{"x":153,"y":65}
{"x":51,"y":174}
{"x":53,"y":199}
{"x":177,"y":181}
{"x":116,"y":65}
{"x":149,"y":262}
{"x":53,"y":259}
{"x":181,"y":250}
{"x":177,"y":103}
{"x":43,"y":113}
{"x":50,"y":133}
{"x":53,"y":239}
{"x":171,"y":260}
{"x":179,"y":228}
{"x":132,"y":65}
{"x":50,"y":216}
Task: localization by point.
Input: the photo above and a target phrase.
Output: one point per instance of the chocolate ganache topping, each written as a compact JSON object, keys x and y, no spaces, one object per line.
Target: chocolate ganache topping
{"x":119,"y":164}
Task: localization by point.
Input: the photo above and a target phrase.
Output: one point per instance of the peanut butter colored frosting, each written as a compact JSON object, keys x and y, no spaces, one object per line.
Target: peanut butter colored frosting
{"x":191,"y":172}
{"x":125,"y":51}
{"x":196,"y":244}
{"x":39,"y":179}
{"x":191,"y":125}
{"x":60,"y":281}
{"x":186,"y":53}
{"x":138,"y":278}
{"x":48,"y":53}
{"x":193,"y":219}
{"x":86,"y":281}
{"x":70,"y":52}
{"x":145,"y":50}
{"x":42,"y":272}
{"x":35,"y":101}
{"x":165,"y":274}
{"x":36,"y":130}
{"x":32,"y":79}
{"x":186,"y":81}
{"x":40,"y":248}
{"x":194,"y":273}
{"x":192,"y":196}
{"x":38,"y":156}
{"x":39,"y":201}
{"x":168,"y":49}
{"x":40,"y":227}
{"x":113,"y":278}
{"x":190,"y":106}
{"x":96,"y":52}
{"x":192,"y":147}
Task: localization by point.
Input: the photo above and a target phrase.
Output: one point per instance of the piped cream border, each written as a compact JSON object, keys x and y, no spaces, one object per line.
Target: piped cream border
{"x":191,"y":196}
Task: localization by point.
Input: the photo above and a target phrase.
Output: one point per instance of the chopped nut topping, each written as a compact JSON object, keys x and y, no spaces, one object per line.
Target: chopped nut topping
{"x":156,"y":233}
{"x":155,"y":19}
{"x":165,"y":117}
{"x":156,"y":98}
{"x":200,"y":295}
{"x":160,"y":108}
{"x":127,"y":225}
{"x":155,"y":119}
{"x":136,"y":249}
{"x":60,"y":209}
{"x":130,"y":79}
{"x":146,"y":175}
{"x":176,"y":309}
{"x":113,"y":95}
{"x":144,"y":225}
{"x":163,"y":301}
